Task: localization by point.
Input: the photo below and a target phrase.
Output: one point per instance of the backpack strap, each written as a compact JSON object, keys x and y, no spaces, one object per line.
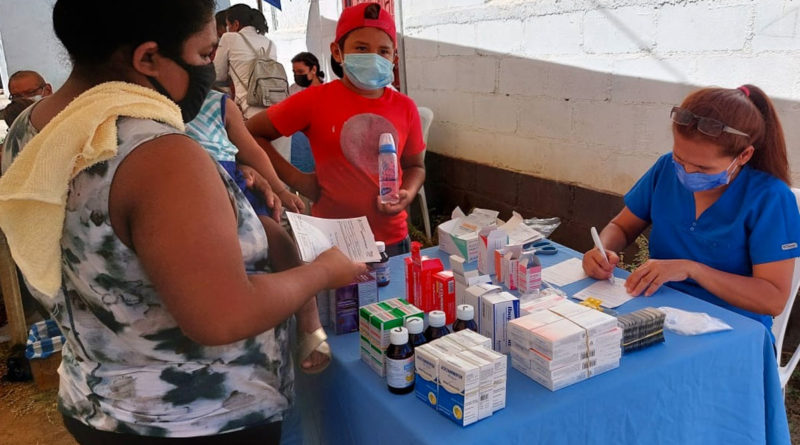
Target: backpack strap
{"x":252,"y":48}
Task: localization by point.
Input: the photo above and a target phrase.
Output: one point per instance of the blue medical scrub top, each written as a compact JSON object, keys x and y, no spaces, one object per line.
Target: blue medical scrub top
{"x":755,"y":221}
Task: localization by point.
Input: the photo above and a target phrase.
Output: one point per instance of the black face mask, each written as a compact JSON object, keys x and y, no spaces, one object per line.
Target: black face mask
{"x":302,"y":80}
{"x":201,"y":77}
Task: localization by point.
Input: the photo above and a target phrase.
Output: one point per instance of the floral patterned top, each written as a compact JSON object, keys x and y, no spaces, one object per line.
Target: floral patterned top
{"x":127,"y":366}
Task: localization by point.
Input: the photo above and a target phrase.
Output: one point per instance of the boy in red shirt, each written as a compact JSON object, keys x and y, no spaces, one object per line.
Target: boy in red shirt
{"x":343,"y":120}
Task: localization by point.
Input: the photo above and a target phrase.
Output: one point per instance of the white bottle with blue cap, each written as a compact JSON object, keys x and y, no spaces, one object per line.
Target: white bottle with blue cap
{"x":387,"y":170}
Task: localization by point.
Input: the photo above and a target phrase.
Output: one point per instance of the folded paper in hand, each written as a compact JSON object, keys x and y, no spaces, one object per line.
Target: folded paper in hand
{"x":352,"y":236}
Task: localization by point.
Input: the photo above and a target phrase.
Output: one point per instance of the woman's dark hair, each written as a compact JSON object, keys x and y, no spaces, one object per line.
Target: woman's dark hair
{"x":221,"y":19}
{"x":310,"y":61}
{"x":92,"y":30}
{"x":371,"y":12}
{"x":749,"y":110}
{"x":247,"y":16}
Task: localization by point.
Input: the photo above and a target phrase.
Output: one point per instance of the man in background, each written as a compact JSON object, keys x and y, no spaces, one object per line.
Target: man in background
{"x":28,"y":85}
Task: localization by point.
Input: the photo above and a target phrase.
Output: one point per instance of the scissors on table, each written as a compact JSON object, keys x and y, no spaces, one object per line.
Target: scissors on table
{"x":543,"y":247}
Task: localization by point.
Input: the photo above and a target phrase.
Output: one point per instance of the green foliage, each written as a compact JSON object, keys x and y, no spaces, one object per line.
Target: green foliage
{"x":642,"y":255}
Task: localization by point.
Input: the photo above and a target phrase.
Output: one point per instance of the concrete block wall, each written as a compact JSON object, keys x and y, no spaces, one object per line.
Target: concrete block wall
{"x":575,"y":91}
{"x":579,"y":91}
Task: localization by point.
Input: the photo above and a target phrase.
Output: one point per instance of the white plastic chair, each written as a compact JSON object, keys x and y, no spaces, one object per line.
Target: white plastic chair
{"x":781,"y":321}
{"x":426,"y":116}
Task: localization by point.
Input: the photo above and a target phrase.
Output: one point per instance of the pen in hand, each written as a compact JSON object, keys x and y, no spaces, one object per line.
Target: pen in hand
{"x":599,"y":245}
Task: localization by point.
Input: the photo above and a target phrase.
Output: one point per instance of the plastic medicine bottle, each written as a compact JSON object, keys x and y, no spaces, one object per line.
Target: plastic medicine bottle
{"x":436,"y":326}
{"x":415,"y":335}
{"x":387,"y":170}
{"x":465,"y":318}
{"x":382,"y":272}
{"x":399,"y":362}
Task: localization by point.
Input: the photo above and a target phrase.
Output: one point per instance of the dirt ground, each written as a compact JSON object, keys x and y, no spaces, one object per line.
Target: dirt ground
{"x":29,"y":416}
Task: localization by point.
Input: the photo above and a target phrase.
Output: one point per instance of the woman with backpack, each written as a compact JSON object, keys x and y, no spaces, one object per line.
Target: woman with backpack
{"x":237,"y":55}
{"x":238,"y":49}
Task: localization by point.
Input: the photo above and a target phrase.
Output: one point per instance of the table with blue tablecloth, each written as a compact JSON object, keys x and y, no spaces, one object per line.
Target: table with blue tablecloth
{"x":715,"y":388}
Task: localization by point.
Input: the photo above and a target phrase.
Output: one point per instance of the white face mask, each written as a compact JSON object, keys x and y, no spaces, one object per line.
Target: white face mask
{"x":36,"y":98}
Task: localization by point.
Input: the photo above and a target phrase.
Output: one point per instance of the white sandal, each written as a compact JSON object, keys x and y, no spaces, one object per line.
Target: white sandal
{"x":310,"y":342}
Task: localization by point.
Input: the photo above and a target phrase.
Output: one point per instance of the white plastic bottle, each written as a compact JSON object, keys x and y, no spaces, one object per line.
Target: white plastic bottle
{"x":387,"y":170}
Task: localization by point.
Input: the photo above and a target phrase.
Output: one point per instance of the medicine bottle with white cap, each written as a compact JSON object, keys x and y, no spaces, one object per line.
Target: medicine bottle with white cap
{"x":399,"y":362}
{"x":465,"y":318}
{"x":436,"y":326}
{"x":415,"y":335}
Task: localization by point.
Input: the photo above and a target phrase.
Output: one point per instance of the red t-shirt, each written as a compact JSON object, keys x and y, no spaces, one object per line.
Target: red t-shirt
{"x":343,"y":128}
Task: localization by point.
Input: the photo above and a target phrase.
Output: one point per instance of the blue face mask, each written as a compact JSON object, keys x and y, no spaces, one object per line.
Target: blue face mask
{"x":368,"y":71}
{"x":699,"y":182}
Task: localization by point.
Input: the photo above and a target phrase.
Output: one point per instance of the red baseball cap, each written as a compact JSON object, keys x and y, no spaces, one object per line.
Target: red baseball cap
{"x":353,"y":18}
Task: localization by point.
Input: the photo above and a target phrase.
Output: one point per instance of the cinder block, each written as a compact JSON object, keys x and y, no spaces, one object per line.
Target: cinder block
{"x":421,"y":42}
{"x":552,"y":34}
{"x":569,"y":81}
{"x":453,"y":107}
{"x":776,"y":26}
{"x":769,"y":71}
{"x":496,"y":112}
{"x":499,"y":36}
{"x":521,"y":76}
{"x":650,"y":80}
{"x":526,"y":77}
{"x":606,"y":124}
{"x":544,"y":117}
{"x":456,"y":39}
{"x":474,"y":74}
{"x":438,"y":74}
{"x":702,"y":26}
{"x":622,"y":30}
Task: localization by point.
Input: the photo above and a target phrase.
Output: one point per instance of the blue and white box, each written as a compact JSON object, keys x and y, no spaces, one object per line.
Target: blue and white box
{"x":497,"y":310}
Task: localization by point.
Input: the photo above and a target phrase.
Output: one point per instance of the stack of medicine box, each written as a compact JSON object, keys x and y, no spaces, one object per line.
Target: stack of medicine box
{"x":494,"y":309}
{"x":547,"y":298}
{"x":374,"y":323}
{"x":461,"y":377}
{"x":344,"y":303}
{"x":463,"y":279}
{"x":506,"y":261}
{"x":565,"y":344}
{"x":420,"y":285}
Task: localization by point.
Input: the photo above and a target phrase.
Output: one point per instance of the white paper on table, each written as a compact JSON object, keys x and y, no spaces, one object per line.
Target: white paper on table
{"x":564,"y":273}
{"x":478,"y":219}
{"x":518,"y":232}
{"x":352,"y":236}
{"x":612,"y":295}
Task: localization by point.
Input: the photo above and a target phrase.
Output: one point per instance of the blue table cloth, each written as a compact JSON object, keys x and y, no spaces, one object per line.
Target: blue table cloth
{"x":719,"y":388}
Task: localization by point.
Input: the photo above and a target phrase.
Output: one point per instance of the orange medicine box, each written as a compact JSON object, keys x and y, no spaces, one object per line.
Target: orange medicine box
{"x":445,"y":286}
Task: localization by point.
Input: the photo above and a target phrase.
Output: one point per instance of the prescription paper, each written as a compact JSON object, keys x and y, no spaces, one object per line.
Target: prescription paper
{"x":352,"y":236}
{"x":564,"y":273}
{"x":612,"y":295}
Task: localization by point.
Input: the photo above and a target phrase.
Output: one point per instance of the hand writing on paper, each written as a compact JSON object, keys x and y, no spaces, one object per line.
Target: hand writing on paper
{"x":654,"y":273}
{"x":399,"y":206}
{"x":597,"y":267}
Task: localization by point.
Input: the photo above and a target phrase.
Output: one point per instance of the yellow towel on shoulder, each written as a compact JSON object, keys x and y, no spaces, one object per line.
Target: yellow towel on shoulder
{"x":33,"y":192}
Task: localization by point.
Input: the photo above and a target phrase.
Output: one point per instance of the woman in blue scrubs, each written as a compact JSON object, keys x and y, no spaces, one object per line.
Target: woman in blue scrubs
{"x":725,"y":224}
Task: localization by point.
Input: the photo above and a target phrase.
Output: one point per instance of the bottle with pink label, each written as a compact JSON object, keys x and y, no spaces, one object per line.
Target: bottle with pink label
{"x":388,"y":182}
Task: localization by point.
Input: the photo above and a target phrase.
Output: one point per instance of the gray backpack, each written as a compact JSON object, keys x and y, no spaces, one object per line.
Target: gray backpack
{"x":267,"y":84}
